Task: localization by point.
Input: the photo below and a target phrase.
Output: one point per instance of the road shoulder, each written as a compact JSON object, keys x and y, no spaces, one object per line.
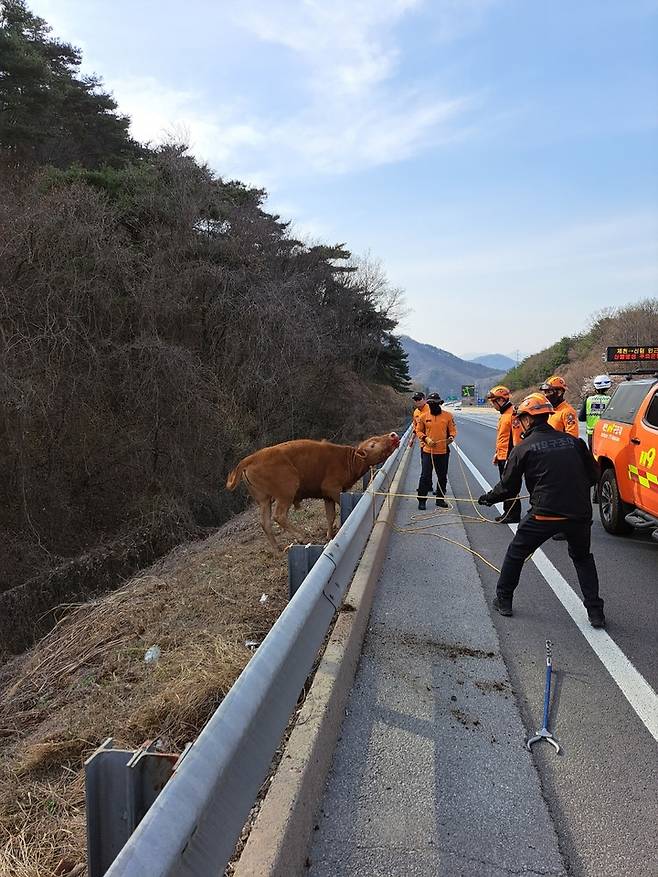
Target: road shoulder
{"x":431,"y":774}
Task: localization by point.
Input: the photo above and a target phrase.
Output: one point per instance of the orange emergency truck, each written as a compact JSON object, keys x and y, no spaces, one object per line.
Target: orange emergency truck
{"x":625,"y":442}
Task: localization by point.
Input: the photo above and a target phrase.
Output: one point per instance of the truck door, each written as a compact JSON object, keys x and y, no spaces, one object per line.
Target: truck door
{"x":644,"y":466}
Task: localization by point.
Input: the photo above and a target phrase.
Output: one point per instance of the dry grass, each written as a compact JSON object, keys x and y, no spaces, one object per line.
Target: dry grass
{"x":87,"y":680}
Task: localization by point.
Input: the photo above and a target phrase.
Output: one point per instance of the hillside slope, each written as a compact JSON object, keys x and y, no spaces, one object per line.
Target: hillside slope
{"x":443,"y":372}
{"x":88,"y":679}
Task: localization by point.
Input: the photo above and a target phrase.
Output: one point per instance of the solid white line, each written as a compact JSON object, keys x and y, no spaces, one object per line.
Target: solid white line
{"x":632,"y":683}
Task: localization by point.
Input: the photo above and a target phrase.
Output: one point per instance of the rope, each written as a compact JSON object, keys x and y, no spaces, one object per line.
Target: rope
{"x":428,"y":523}
{"x":455,"y":498}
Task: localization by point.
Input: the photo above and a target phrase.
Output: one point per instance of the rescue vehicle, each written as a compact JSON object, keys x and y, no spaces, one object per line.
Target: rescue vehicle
{"x":625,"y":442}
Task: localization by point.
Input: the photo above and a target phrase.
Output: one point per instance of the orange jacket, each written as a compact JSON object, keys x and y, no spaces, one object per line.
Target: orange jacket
{"x":418,"y":412}
{"x":517,"y":429}
{"x":508,"y":433}
{"x":565,"y":419}
{"x":435,"y":430}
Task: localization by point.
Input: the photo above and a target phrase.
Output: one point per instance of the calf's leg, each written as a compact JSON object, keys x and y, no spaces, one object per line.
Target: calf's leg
{"x":281,"y":508}
{"x":266,"y":521}
{"x":330,"y":511}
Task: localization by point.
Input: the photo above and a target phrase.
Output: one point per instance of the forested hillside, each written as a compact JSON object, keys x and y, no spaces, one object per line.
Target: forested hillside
{"x":157,"y":322}
{"x":579,"y":357}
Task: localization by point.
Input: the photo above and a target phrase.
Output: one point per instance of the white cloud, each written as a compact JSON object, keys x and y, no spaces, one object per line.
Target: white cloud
{"x":356,"y":113}
{"x":159,"y":113}
{"x":347,"y":46}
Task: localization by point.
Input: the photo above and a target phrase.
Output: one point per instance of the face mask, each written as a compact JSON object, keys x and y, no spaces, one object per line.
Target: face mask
{"x":435,"y":407}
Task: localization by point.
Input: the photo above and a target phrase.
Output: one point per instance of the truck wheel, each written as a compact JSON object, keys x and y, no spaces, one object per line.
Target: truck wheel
{"x":612,"y":509}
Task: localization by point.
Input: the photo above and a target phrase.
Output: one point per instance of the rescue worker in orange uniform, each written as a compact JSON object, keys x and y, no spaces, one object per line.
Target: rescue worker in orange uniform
{"x":436,"y":432}
{"x":559,"y":471}
{"x":564,"y":417}
{"x":421,"y":408}
{"x":508,"y":434}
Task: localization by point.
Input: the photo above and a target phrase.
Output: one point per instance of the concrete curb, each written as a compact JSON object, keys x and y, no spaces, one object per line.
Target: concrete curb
{"x":280,"y":837}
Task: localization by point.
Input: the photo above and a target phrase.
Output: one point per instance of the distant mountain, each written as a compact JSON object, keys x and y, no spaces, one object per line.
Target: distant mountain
{"x":514,"y":355}
{"x":497,"y":361}
{"x":440,"y":371}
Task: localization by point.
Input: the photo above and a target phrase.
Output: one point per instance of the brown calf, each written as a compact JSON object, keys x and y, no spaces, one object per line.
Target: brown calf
{"x":305,"y":469}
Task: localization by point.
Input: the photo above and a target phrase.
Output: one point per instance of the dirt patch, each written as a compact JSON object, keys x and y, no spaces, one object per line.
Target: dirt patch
{"x":465,"y":719}
{"x":488,"y":685}
{"x":87,"y":680}
{"x":420,"y":642}
{"x":456,"y":650}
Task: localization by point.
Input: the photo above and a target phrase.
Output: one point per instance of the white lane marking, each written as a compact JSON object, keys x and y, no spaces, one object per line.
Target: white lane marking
{"x":632,"y":683}
{"x":483,"y":419}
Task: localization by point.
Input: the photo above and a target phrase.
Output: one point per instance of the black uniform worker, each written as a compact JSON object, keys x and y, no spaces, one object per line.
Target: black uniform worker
{"x":559,"y":471}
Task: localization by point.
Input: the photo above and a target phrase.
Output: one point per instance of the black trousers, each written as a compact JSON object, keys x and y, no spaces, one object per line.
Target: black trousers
{"x":438,"y":462}
{"x":531,"y":534}
{"x":511,"y":507}
{"x":595,"y":493}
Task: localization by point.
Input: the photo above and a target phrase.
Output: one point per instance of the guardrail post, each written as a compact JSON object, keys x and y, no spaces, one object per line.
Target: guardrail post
{"x":120,"y":786}
{"x":301,"y":559}
{"x":348,"y":503}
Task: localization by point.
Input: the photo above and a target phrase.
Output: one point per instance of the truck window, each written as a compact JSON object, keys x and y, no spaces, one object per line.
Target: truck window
{"x":625,"y":401}
{"x":651,"y":416}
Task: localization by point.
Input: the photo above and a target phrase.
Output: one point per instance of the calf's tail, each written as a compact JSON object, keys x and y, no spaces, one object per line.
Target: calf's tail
{"x":235,"y":475}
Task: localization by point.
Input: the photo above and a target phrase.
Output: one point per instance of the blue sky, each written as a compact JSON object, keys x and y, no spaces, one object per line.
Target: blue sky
{"x":499,"y":156}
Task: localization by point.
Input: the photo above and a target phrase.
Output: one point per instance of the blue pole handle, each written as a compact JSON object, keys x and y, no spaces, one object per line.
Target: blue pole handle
{"x":547,"y":694}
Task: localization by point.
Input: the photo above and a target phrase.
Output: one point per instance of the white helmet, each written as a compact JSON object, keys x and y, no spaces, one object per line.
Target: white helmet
{"x":602,"y":382}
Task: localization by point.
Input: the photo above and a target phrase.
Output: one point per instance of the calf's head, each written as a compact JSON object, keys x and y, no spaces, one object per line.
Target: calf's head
{"x":377,"y":448}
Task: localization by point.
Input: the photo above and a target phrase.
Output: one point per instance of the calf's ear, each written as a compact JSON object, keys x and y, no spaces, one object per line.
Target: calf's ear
{"x":361,"y":453}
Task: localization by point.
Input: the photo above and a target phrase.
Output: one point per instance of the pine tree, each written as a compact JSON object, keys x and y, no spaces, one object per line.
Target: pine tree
{"x":49,"y":114}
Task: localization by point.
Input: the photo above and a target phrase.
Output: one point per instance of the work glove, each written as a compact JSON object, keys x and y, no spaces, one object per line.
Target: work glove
{"x":484,"y":500}
{"x":429,"y":442}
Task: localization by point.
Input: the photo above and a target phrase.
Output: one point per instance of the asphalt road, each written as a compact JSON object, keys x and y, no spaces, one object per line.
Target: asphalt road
{"x":603,"y":791}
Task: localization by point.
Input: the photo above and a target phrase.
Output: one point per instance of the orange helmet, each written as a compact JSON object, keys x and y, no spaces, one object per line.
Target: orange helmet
{"x":535,"y":403}
{"x":554,"y":382}
{"x":499,"y":392}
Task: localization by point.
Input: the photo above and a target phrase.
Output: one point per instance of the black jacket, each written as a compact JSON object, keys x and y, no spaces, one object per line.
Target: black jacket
{"x":558,"y":470}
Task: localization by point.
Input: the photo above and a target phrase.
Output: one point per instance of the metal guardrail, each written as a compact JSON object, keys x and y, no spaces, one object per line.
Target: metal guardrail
{"x":192,"y":827}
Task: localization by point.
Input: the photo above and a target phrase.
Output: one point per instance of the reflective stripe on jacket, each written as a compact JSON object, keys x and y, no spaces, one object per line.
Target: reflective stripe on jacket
{"x":564,"y":419}
{"x":438,"y":428}
{"x":594,"y":408}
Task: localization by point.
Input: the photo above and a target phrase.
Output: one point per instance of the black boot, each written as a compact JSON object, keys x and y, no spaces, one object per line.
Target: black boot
{"x":442,"y":503}
{"x":596,"y":617}
{"x":503,"y":604}
{"x":422,"y":503}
